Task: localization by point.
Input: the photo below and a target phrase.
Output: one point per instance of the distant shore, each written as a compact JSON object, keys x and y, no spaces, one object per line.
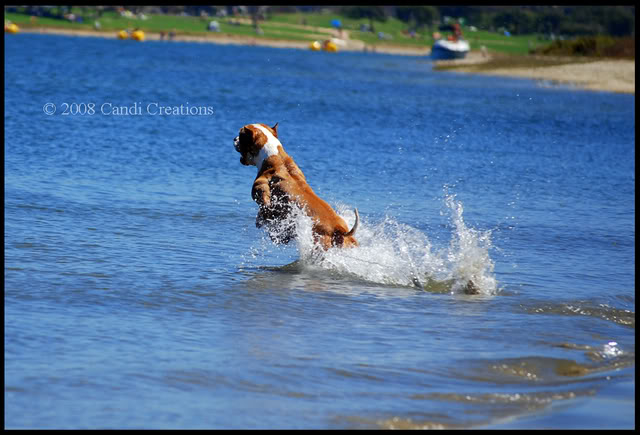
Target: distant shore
{"x":223,"y":38}
{"x":609,"y":75}
{"x":592,"y":74}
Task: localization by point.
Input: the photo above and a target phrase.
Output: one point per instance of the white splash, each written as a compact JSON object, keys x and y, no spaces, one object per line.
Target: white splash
{"x":468,"y":253}
{"x":396,"y":254}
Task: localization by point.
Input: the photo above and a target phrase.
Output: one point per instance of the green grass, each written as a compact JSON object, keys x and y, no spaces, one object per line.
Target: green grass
{"x":519,"y":45}
{"x":110,"y":21}
{"x":24,"y":21}
{"x":394,"y":27}
{"x":284,"y":26}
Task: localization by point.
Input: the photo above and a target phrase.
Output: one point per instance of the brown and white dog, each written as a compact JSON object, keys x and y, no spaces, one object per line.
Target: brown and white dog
{"x":280,"y":184}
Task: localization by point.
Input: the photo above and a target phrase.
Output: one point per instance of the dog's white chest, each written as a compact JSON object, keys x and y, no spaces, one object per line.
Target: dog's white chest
{"x":270,"y":148}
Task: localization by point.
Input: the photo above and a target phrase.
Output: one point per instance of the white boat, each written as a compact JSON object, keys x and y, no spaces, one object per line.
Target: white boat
{"x":445,"y":49}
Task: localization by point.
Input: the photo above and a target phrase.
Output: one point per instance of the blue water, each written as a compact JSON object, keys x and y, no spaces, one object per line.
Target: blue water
{"x":139,"y":294}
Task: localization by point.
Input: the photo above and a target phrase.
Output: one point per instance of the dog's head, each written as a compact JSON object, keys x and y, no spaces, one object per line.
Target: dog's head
{"x":256,"y":142}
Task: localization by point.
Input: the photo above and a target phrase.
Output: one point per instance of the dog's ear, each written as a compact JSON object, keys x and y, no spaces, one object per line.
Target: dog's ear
{"x":275,"y":129}
{"x":246,"y":132}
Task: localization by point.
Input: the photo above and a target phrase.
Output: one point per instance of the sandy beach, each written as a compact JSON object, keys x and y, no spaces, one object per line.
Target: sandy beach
{"x":591,"y":74}
{"x":223,"y":38}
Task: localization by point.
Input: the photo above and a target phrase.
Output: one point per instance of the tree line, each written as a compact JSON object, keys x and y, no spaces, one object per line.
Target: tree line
{"x":518,"y":20}
{"x":559,"y":20}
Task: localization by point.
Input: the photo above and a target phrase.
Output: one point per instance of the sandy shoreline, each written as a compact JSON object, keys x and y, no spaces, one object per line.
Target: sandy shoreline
{"x":598,"y":75}
{"x":603,"y":75}
{"x":223,"y":38}
{"x":592,"y":74}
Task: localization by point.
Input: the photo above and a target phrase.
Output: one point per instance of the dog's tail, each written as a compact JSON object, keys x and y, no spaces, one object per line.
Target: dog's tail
{"x":355,"y":226}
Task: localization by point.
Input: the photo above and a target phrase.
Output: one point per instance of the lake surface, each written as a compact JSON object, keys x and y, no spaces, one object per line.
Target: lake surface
{"x":140,"y":294}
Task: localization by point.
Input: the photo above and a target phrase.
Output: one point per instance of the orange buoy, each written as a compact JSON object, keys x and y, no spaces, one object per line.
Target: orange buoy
{"x":138,"y":35}
{"x":11,"y":28}
{"x":330,"y":46}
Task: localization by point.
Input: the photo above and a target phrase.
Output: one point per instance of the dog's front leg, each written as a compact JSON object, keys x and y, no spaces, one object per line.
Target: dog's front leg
{"x":261,"y":193}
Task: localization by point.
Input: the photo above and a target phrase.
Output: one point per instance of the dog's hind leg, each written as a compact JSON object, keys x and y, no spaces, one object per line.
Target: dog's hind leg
{"x":416,"y":282}
{"x":471,"y":289}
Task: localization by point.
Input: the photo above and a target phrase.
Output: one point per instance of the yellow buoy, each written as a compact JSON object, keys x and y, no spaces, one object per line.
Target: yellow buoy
{"x":330,"y":46}
{"x":138,"y":35}
{"x":315,"y":46}
{"x":122,"y":34}
{"x":12,"y":28}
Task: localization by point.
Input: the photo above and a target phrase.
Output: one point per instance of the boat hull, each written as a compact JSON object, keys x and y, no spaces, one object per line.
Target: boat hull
{"x":449,"y":49}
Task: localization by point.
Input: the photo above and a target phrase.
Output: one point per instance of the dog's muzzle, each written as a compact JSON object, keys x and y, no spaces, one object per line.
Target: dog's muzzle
{"x":236,"y":145}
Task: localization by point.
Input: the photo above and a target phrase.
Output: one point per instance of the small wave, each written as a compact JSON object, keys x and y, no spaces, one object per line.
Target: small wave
{"x":541,"y":370}
{"x":585,"y":308}
{"x":480,"y":409}
{"x":396,"y":254}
